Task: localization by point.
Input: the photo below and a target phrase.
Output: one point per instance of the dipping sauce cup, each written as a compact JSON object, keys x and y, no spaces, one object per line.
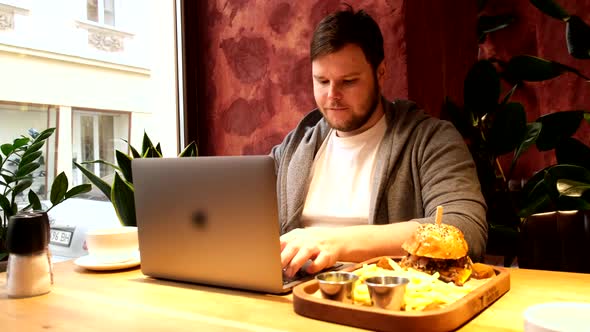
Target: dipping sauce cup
{"x":387,"y":292}
{"x":337,"y":285}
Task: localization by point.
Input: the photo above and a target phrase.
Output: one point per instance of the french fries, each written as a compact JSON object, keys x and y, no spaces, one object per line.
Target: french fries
{"x":424,"y":292}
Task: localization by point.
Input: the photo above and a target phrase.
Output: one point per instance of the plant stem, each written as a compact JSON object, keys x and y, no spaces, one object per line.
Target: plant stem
{"x":500,"y":170}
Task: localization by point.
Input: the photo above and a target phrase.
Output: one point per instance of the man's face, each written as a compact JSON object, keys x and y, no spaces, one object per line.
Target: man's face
{"x":347,"y":90}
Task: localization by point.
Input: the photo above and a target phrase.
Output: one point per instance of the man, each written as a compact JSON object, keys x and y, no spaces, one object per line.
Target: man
{"x":378,"y":167}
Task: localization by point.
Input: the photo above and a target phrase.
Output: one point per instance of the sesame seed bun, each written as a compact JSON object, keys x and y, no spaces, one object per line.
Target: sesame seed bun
{"x":440,"y":241}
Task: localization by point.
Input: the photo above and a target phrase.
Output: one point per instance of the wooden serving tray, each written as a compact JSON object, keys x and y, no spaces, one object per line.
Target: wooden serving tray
{"x":448,"y":318}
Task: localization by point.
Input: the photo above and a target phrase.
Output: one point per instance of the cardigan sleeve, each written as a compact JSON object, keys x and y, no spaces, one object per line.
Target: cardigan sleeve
{"x":449,"y":178}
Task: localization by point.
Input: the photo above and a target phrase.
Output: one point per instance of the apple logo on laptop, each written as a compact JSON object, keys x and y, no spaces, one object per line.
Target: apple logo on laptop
{"x":199,"y":219}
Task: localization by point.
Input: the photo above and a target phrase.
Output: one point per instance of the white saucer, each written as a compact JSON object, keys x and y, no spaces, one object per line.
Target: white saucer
{"x":90,"y":263}
{"x":557,"y":316}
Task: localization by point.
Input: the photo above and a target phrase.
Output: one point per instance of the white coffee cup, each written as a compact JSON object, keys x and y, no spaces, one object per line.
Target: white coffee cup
{"x":112,"y":245}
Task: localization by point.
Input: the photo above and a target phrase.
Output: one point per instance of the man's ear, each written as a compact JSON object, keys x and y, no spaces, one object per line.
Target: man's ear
{"x":381,"y":74}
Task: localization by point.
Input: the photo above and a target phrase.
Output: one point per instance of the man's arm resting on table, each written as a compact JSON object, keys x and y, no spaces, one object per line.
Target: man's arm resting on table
{"x":326,"y":246}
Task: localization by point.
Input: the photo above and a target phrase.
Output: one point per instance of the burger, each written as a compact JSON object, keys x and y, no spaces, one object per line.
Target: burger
{"x":439,"y":248}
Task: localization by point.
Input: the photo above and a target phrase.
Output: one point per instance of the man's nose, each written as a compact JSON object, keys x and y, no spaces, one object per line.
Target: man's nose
{"x":334,"y":91}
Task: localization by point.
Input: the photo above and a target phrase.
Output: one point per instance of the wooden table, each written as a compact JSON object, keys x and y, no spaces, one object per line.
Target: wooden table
{"x":129,"y":301}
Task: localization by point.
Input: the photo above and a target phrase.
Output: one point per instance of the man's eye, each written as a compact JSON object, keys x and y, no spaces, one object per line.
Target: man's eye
{"x":349,"y":81}
{"x":324,"y":82}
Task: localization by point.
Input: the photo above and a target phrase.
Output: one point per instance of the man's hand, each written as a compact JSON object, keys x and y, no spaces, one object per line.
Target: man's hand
{"x":325,"y":246}
{"x":320,"y":245}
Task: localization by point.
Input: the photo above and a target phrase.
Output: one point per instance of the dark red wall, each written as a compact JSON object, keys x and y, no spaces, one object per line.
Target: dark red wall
{"x":253,"y":75}
{"x":257,"y":73}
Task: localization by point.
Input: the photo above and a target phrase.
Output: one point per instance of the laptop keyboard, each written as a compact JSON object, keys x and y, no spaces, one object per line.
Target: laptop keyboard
{"x":303,"y":275}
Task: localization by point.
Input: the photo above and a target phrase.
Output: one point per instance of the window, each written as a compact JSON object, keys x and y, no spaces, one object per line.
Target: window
{"x":96,"y":135}
{"x":20,"y":119}
{"x":96,"y":70}
{"x":101,"y":11}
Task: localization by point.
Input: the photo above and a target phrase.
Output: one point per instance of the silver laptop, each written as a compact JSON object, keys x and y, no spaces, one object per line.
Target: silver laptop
{"x":210,"y":220}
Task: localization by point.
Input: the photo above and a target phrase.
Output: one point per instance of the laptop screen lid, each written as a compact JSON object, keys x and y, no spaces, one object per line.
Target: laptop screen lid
{"x":209,"y":220}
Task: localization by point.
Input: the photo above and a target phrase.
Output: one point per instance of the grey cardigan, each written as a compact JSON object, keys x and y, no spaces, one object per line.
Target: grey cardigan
{"x":422,"y":162}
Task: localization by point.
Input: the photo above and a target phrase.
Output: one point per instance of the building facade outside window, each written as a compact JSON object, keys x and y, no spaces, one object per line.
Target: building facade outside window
{"x":99,"y":71}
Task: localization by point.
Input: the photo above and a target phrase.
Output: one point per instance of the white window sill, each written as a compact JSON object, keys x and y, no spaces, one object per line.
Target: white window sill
{"x":13,"y":7}
{"x":90,"y":25}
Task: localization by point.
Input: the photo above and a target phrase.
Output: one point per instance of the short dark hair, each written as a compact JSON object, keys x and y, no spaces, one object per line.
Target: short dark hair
{"x":348,"y":27}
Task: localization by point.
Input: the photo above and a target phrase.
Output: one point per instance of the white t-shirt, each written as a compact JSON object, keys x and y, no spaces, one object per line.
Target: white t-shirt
{"x":341,"y":186}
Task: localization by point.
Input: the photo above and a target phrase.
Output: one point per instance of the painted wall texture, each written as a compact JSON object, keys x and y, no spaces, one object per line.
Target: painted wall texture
{"x":537,"y":34}
{"x":258,"y":70}
{"x":258,"y":76}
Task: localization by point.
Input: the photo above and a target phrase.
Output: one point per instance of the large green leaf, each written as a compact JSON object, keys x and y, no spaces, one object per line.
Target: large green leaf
{"x":535,"y":197}
{"x":531,"y":68}
{"x":33,"y":147}
{"x":487,"y":24}
{"x":146,"y":144}
{"x":568,"y":172}
{"x":6,"y":148}
{"x":557,"y":127}
{"x":58,"y":188}
{"x":5,"y":205}
{"x":104,"y":187}
{"x":77,"y":190}
{"x":507,"y":129}
{"x":551,"y":8}
{"x":573,"y":152}
{"x":134,"y":152}
{"x":20,"y":142}
{"x":530,"y":137}
{"x":103,"y":162}
{"x":152,"y":152}
{"x":45,"y":134}
{"x":567,"y":187}
{"x":27,"y":169}
{"x":124,"y":162}
{"x":509,"y":94}
{"x":190,"y":150}
{"x":34,"y":200}
{"x":123,"y":199}
{"x":7,"y":178}
{"x":21,"y":186}
{"x":481,"y":88}
{"x":577,"y":34}
{"x":31,"y":157}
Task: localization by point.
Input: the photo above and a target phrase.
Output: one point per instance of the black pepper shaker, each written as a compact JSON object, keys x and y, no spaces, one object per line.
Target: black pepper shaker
{"x":29,"y":266}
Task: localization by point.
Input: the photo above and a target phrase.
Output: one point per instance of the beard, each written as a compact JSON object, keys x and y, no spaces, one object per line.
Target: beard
{"x":355,"y":121}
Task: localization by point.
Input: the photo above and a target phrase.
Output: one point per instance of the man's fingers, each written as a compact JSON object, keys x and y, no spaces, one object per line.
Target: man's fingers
{"x":287,"y":253}
{"x":302,"y":256}
{"x":322,"y":261}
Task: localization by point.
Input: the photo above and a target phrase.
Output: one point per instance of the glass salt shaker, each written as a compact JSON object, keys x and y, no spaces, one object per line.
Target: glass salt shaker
{"x":29,"y":265}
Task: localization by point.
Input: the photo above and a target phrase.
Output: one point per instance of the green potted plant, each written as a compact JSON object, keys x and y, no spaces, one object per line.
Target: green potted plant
{"x":19,"y":160}
{"x":121,"y":192}
{"x":493,"y":125}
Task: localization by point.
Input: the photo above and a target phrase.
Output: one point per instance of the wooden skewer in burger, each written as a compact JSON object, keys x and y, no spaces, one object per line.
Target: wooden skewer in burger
{"x":439,"y":248}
